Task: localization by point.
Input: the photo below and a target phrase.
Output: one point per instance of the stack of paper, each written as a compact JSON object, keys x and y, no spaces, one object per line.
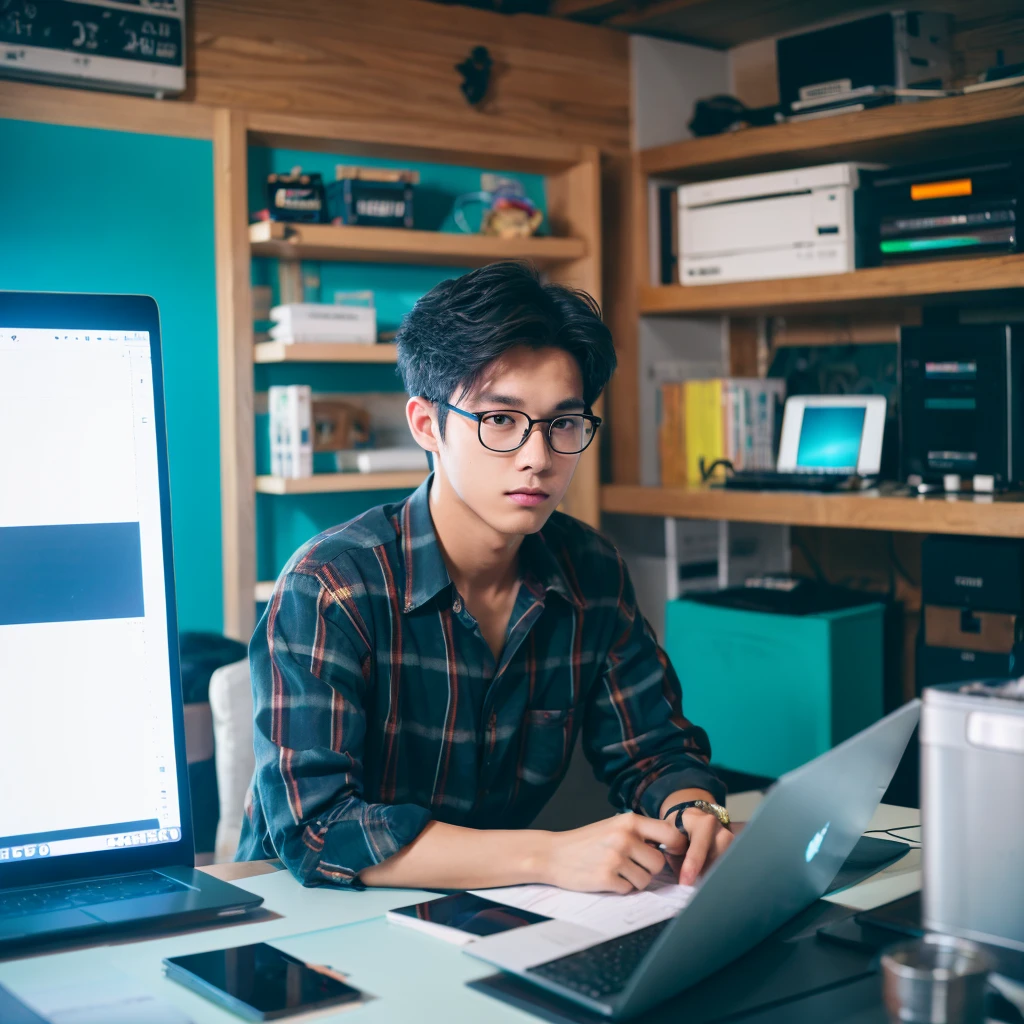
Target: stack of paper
{"x":324,"y":322}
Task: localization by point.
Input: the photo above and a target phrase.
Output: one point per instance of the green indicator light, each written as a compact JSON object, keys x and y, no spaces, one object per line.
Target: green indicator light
{"x":919,"y":244}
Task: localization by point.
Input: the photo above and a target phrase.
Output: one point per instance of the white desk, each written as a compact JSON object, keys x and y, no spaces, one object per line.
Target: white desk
{"x":415,"y":977}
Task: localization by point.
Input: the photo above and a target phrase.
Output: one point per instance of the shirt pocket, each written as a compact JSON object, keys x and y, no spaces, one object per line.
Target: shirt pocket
{"x":546,"y":745}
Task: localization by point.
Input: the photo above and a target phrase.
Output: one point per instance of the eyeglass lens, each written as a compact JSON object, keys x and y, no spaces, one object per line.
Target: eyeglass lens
{"x":505,"y":431}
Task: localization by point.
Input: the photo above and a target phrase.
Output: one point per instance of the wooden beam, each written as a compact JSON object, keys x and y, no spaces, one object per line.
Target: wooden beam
{"x":938,"y":281}
{"x":235,"y":362}
{"x":574,"y":210}
{"x":638,"y":15}
{"x":1001,"y":516}
{"x":621,"y":313}
{"x":82,"y":108}
{"x":574,"y":8}
{"x":911,"y":131}
{"x":413,"y":140}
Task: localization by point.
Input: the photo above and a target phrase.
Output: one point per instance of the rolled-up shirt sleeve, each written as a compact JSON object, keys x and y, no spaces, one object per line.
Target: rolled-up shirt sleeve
{"x":310,"y":667}
{"x":634,"y":732}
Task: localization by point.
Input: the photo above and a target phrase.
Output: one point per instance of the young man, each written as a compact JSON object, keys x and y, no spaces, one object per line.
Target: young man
{"x":422,"y":672}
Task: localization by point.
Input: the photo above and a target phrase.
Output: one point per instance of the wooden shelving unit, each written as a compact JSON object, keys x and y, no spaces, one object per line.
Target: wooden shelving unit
{"x":323,"y":352}
{"x":1001,"y":516}
{"x":572,"y":256}
{"x":340,"y":483}
{"x":399,"y":245}
{"x":918,"y":282}
{"x":890,"y":135}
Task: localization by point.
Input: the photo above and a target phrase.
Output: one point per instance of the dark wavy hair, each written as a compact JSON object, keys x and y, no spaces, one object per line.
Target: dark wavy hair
{"x":462,"y":325}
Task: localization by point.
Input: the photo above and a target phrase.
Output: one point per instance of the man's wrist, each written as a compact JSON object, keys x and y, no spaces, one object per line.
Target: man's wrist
{"x":537,"y":856}
{"x":682,"y":796}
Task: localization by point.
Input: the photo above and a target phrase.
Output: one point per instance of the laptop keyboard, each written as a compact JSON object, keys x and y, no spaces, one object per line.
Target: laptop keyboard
{"x":602,"y":970}
{"x":71,"y":895}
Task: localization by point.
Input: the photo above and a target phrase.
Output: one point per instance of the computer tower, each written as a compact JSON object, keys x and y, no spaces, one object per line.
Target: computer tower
{"x":961,"y":395}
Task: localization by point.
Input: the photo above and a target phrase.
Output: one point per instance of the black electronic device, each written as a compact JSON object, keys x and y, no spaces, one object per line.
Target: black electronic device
{"x":946,"y":210}
{"x":899,"y":49}
{"x":972,"y":621}
{"x":465,"y":912}
{"x":982,"y":573}
{"x":259,"y":982}
{"x":771,"y":480}
{"x":962,"y":404}
{"x":105,"y":44}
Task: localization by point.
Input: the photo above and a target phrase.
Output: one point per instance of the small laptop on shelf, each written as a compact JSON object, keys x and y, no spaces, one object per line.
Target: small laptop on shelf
{"x":784,"y":859}
{"x":95,"y":818}
{"x":827,"y":440}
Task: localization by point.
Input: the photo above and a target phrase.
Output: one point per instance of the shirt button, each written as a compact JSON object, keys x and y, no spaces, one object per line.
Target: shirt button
{"x":457,"y":605}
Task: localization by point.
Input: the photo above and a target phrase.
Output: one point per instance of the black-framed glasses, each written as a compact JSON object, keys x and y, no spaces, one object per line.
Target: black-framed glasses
{"x":505,"y":430}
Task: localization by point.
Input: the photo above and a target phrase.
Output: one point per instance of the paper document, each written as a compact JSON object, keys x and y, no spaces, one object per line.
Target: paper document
{"x":112,"y":999}
{"x":607,"y":913}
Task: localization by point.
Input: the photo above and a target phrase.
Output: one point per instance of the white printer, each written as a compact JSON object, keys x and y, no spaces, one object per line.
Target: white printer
{"x":783,"y":224}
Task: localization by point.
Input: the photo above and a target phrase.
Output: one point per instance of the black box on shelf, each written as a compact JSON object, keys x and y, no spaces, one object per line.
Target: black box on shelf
{"x":944,"y":210}
{"x":962,"y":403}
{"x":372,"y":197}
{"x":948,"y":665}
{"x":296,"y":198}
{"x":981,"y":573}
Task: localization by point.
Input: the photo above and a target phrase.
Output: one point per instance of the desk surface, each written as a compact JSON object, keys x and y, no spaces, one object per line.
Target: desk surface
{"x":414,"y":976}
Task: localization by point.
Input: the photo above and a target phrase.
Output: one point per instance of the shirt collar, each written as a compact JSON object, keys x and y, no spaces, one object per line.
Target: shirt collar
{"x":426,"y":575}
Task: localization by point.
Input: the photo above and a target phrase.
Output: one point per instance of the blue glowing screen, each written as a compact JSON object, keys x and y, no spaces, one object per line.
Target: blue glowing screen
{"x":830,"y":437}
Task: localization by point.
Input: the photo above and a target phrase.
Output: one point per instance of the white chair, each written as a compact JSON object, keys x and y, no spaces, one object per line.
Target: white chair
{"x":231,"y":705}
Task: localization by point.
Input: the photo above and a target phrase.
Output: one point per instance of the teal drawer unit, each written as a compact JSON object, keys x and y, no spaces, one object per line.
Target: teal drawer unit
{"x":774,"y":691}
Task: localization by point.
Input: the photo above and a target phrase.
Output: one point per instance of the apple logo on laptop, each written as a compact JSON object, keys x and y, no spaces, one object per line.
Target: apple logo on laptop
{"x":815,"y":844}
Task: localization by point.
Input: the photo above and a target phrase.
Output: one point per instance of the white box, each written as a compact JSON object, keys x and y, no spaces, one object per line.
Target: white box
{"x":291,"y":425}
{"x":324,"y":322}
{"x":795,"y":223}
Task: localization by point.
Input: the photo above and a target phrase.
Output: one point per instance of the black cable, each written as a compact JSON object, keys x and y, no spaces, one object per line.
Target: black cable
{"x":811,"y":560}
{"x":896,"y":562}
{"x":891,"y":832}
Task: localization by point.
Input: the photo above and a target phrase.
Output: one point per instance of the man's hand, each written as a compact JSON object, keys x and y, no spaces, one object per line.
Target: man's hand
{"x":709,"y":839}
{"x":619,"y":854}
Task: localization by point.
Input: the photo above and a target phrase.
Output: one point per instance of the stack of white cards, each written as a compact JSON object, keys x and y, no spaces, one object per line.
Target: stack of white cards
{"x":291,"y":430}
{"x":324,"y":322}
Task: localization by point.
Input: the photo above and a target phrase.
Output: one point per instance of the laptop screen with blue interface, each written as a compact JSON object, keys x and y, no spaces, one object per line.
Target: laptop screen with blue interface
{"x":830,"y":438}
{"x":86,"y":728}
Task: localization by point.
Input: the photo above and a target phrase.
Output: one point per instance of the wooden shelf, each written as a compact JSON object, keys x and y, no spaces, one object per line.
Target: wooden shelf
{"x":264,"y":591}
{"x":326,"y":483}
{"x":1000,"y":516}
{"x":899,"y":133}
{"x":323,"y":352}
{"x":946,"y":279}
{"x":399,"y":245}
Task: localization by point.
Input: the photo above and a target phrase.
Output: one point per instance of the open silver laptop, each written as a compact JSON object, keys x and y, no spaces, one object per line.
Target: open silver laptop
{"x":783,"y":860}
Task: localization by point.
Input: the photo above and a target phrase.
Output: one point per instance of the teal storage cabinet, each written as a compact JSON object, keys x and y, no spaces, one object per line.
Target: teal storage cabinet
{"x":775,"y":691}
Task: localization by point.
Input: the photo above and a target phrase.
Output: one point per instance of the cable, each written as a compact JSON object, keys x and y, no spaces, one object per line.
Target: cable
{"x":811,"y":560}
{"x":896,"y":562}
{"x":891,"y":832}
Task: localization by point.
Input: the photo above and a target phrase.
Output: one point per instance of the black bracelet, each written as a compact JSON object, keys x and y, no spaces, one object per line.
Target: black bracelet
{"x":679,"y":808}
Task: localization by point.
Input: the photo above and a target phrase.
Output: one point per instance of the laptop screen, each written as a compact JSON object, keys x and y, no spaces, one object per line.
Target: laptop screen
{"x":86,"y":729}
{"x":830,"y":438}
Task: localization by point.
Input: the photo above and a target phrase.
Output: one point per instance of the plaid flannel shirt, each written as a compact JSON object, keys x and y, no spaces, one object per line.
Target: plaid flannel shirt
{"x":379,"y":705}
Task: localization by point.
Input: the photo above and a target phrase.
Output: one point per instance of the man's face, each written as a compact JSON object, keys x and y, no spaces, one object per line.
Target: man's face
{"x":514,"y":492}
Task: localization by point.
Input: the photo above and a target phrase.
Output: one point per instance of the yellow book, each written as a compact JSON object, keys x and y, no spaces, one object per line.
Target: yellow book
{"x":705,"y":435}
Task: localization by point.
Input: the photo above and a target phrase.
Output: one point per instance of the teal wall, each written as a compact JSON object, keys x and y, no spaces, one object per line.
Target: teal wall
{"x":100,"y":211}
{"x":284,"y":523}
